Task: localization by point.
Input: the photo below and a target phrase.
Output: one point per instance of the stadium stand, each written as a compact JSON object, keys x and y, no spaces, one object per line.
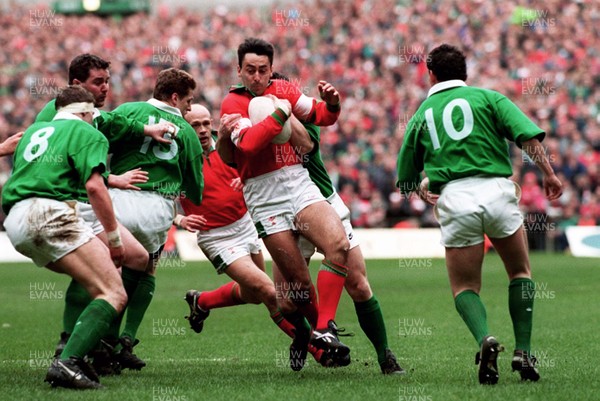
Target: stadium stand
{"x":544,"y":55}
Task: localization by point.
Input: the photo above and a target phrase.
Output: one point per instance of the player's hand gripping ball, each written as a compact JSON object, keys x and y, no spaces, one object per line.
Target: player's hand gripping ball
{"x":260,"y":108}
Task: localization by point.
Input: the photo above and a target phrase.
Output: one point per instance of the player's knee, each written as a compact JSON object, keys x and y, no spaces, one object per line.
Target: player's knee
{"x":268,"y":291}
{"x":358,"y":288}
{"x":338,"y":249}
{"x":137,"y":259}
{"x":269,"y":295}
{"x":252,"y":293}
{"x":117,"y":297}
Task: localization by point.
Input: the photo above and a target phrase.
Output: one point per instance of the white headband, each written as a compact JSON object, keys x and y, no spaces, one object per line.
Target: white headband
{"x":80,"y":107}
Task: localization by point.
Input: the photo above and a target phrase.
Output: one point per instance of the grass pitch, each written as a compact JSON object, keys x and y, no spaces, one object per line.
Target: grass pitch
{"x":241,"y":355}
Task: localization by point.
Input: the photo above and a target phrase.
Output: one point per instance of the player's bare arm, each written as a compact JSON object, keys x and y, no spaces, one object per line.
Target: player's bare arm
{"x":102,"y":205}
{"x":8,"y":146}
{"x":552,"y":185}
{"x":128,"y":179}
{"x":300,"y":140}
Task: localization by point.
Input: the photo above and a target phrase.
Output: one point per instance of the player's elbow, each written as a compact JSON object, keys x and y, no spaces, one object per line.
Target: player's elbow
{"x":95,"y":185}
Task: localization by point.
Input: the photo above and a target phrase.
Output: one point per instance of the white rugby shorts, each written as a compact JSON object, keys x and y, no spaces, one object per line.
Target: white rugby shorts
{"x":45,"y":230}
{"x":470,"y":207}
{"x":86,"y":212}
{"x":224,"y":245}
{"x":275,"y":198}
{"x":147,"y":215}
{"x":308,"y":249}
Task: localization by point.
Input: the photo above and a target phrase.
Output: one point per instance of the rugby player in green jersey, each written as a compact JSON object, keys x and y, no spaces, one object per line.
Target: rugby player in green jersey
{"x":174,"y":170}
{"x":53,"y":162}
{"x":92,"y":73}
{"x":458,"y":138}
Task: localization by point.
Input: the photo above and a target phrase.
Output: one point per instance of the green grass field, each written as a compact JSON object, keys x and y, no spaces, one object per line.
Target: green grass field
{"x":241,"y":355}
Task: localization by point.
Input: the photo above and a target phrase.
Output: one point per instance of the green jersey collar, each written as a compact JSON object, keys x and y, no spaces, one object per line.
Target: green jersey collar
{"x":165,"y":107}
{"x":441,"y":86}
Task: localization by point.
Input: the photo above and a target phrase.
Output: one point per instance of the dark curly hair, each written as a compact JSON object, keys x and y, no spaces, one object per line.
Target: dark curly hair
{"x":447,"y":62}
{"x":81,"y":65}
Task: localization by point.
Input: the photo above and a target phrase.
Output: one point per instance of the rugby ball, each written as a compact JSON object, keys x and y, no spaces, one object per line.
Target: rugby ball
{"x":261,"y":107}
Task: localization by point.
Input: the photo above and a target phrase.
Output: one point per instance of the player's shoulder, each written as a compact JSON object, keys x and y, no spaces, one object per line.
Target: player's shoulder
{"x":47,"y":112}
{"x":50,"y":105}
{"x":129,"y":106}
{"x":475,"y":91}
{"x":236,"y":102}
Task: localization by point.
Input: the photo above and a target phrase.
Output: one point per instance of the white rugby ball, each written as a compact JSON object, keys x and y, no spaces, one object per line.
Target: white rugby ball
{"x":261,"y":107}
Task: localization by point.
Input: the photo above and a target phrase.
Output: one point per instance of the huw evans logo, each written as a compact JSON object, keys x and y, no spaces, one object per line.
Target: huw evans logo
{"x":292,"y":18}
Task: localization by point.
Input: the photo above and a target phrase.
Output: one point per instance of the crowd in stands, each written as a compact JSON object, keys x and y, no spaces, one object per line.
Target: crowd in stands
{"x":544,"y":55}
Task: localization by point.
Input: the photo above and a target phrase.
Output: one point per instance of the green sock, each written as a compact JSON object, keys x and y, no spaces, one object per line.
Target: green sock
{"x":138,"y":304}
{"x":130,"y":278}
{"x":90,"y":327}
{"x":521,"y":292}
{"x":76,"y":300}
{"x":371,"y":322}
{"x":471,"y":309}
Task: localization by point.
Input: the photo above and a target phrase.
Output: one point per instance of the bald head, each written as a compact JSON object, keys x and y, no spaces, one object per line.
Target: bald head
{"x":199,"y":119}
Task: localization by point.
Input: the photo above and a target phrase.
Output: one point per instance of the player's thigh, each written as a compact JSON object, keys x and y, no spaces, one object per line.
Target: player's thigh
{"x":464,"y":268}
{"x":285,"y":252}
{"x":136,"y":257}
{"x":91,"y":266}
{"x":321,"y":225}
{"x":248,"y":275}
{"x":259,"y":260}
{"x":514,"y":254}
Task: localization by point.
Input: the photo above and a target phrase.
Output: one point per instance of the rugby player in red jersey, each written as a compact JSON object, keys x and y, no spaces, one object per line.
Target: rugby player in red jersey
{"x":281,"y":198}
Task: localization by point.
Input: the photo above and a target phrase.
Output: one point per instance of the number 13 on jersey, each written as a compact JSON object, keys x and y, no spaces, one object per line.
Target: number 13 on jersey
{"x":156,"y":149}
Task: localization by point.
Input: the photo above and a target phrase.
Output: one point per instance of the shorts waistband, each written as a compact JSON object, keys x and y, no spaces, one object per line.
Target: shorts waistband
{"x":236,"y":224}
{"x":473,"y":179}
{"x":275,"y":173}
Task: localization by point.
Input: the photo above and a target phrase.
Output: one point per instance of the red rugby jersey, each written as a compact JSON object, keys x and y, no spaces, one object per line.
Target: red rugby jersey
{"x":254,"y":153}
{"x":221,"y":205}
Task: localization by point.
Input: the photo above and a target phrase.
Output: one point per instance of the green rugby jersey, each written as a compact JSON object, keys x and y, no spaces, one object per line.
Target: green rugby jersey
{"x":315,"y":165}
{"x":114,"y":126}
{"x":461,"y":131}
{"x":54,"y":160}
{"x":173,"y":170}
